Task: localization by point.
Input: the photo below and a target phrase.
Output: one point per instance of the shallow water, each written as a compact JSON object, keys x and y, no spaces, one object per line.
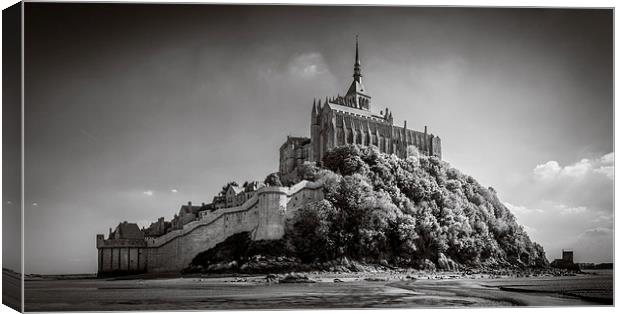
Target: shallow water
{"x":221,"y":293}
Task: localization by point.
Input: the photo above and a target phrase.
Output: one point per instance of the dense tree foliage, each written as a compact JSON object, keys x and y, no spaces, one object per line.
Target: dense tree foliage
{"x":407,"y":212}
{"x":273,"y":179}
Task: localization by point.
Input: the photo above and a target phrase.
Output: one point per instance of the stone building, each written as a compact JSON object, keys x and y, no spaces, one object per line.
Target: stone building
{"x":353,"y":119}
{"x":124,"y":252}
{"x":566,"y":262}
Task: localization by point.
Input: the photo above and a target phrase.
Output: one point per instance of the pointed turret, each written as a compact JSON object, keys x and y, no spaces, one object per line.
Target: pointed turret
{"x":357,"y":70}
{"x":313,"y":120}
{"x":357,"y":92}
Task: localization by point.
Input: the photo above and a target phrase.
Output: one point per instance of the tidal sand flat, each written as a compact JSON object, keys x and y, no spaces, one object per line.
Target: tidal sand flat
{"x":354,"y":291}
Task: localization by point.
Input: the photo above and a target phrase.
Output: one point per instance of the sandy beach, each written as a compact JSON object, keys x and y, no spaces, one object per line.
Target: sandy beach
{"x":351,"y":290}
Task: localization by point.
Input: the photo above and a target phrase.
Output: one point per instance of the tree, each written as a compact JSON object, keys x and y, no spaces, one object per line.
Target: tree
{"x":273,"y":179}
{"x":345,"y":160}
{"x":227,"y":185}
{"x":410,"y":211}
{"x":309,"y":232}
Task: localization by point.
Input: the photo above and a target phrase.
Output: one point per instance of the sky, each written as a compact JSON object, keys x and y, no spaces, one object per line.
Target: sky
{"x":133,"y":110}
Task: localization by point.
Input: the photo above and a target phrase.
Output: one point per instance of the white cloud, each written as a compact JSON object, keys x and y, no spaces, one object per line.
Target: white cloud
{"x":608,"y":159}
{"x":148,"y":193}
{"x":548,"y":170}
{"x":174,"y":190}
{"x":604,"y":218}
{"x":550,"y":207}
{"x":552,"y":170}
{"x":578,"y":169}
{"x":307,"y":65}
{"x":606,"y":170}
{"x":596,"y":232}
{"x":571,"y":210}
{"x":521,"y":209}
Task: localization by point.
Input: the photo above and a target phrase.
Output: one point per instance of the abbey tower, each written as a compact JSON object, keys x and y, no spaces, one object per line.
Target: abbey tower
{"x":352,"y":119}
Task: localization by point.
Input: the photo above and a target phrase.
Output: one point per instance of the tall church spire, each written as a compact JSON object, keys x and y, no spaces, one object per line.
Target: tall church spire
{"x":357,"y":70}
{"x":357,"y":96}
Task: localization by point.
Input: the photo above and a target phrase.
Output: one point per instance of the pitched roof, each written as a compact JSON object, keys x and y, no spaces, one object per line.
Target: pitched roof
{"x":355,"y":111}
{"x":193,"y":209}
{"x":236,"y":189}
{"x":126,"y":230}
{"x":357,"y":88}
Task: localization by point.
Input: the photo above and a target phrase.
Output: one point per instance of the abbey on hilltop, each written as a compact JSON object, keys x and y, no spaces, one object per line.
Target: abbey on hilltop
{"x":170,"y":246}
{"x":352,"y":119}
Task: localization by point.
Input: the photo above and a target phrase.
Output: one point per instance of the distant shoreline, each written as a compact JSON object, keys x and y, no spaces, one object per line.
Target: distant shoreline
{"x":488,"y":273}
{"x":321,"y":290}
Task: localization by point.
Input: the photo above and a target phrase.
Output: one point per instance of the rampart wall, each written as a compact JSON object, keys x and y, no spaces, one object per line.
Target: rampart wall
{"x":263,"y":215}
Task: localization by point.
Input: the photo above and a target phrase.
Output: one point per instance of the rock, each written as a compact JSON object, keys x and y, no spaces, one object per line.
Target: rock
{"x":427,"y":265}
{"x":337,"y":280}
{"x":411,"y":278}
{"x":294,"y":278}
{"x":375,"y":279}
{"x":384,"y":263}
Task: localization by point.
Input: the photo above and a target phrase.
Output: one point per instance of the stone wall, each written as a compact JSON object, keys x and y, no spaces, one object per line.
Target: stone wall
{"x":263,"y":215}
{"x":121,"y":256}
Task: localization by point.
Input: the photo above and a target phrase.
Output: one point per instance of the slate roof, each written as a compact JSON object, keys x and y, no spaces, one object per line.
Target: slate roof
{"x":355,"y":111}
{"x":194,"y":208}
{"x":357,"y":88}
{"x":127,"y":230}
{"x":236,"y":189}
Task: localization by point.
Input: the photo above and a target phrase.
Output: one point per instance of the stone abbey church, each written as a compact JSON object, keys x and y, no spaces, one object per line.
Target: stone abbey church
{"x":352,"y":119}
{"x":261,"y":210}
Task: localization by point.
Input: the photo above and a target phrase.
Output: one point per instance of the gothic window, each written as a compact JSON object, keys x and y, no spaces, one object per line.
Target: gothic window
{"x":349,"y":136}
{"x":374,"y":140}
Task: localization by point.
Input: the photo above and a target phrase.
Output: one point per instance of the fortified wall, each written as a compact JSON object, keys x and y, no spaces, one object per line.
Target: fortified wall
{"x":263,"y":215}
